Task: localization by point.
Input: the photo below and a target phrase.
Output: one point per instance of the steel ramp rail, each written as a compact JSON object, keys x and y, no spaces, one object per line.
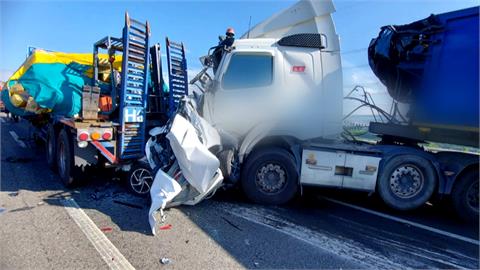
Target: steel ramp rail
{"x":134,"y":88}
{"x":157,"y":99}
{"x":177,"y":75}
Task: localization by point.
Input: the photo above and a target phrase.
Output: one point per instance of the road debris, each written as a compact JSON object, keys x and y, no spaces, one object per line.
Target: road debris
{"x":166,"y":227}
{"x":106,"y":229}
{"x":13,"y":194}
{"x":165,"y":261}
{"x":26,"y":208}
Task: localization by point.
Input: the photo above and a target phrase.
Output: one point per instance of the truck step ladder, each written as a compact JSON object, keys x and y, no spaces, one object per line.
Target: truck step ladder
{"x":177,"y":75}
{"x":134,"y":86}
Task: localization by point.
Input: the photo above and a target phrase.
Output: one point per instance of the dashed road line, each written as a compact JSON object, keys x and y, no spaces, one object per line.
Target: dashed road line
{"x":109,"y":253}
{"x":16,"y":138}
{"x":408,"y":222}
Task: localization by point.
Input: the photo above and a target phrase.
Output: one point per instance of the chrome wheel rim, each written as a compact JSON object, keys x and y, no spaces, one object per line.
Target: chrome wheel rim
{"x":141,"y":180}
{"x":406,"y":181}
{"x":271,"y":178}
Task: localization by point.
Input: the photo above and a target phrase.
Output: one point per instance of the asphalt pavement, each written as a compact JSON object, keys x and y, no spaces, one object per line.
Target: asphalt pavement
{"x":40,"y":229}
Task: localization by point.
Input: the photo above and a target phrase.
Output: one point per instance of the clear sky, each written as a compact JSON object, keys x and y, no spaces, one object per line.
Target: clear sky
{"x":73,"y":26}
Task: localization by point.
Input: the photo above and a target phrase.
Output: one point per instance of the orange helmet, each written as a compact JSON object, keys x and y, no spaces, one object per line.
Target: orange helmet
{"x":230,"y":31}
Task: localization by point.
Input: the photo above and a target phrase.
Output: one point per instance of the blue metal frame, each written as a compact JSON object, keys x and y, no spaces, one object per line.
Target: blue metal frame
{"x":134,"y":89}
{"x":177,"y":75}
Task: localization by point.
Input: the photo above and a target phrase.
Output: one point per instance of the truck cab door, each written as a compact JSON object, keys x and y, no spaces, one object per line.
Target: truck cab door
{"x":244,"y":85}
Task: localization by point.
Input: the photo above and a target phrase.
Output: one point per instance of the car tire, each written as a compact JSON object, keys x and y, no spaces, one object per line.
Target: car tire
{"x":406,"y":182}
{"x":229,"y":166}
{"x":51,"y":148}
{"x":269,"y":176}
{"x":140,"y":179}
{"x":68,"y":172}
{"x":465,"y":196}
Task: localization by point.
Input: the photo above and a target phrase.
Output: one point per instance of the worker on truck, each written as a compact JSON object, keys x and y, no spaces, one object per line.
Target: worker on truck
{"x":224,"y":44}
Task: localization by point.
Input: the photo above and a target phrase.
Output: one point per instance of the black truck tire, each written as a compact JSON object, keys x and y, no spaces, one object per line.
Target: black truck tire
{"x":269,"y":176}
{"x":51,"y":148}
{"x":406,"y":182}
{"x":140,"y":179}
{"x":465,"y":196}
{"x":229,"y":166}
{"x":69,"y":174}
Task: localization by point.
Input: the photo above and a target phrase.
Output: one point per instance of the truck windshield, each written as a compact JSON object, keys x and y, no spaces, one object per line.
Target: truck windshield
{"x":248,"y":71}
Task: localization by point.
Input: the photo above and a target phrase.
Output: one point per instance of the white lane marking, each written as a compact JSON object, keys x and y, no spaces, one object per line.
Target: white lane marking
{"x":110,"y":254}
{"x":404,"y":221}
{"x":16,"y":138}
{"x":348,"y":249}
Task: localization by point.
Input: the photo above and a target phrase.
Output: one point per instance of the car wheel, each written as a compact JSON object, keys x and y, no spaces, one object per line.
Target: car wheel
{"x":51,"y":148}
{"x":69,"y":174}
{"x":229,"y":165}
{"x":140,"y":179}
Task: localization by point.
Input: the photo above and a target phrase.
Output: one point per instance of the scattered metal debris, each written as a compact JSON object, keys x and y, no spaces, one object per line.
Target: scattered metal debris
{"x":13,"y":194}
{"x":256,"y":264}
{"x":165,"y":261}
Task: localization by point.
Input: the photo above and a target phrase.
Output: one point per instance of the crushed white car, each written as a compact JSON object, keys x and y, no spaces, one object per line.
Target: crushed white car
{"x":192,"y":173}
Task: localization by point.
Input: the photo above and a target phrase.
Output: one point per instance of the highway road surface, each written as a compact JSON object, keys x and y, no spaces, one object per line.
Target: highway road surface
{"x":99,"y":225}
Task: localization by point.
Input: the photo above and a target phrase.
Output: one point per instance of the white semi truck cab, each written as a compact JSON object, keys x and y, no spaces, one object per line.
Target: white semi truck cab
{"x":283,"y":78}
{"x":277,"y":99}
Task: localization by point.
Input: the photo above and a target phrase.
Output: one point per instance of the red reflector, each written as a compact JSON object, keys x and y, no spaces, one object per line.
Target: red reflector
{"x":298,"y":68}
{"x":107,"y":136}
{"x":83,"y":136}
